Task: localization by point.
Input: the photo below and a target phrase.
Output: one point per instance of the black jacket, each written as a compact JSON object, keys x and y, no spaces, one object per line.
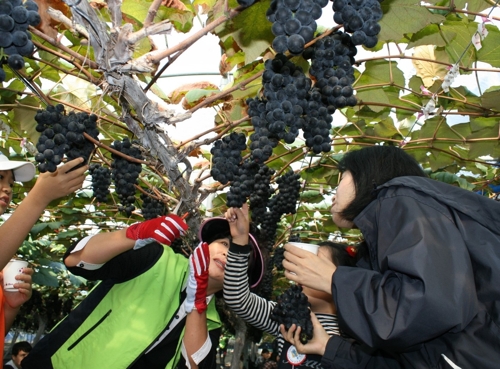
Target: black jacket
{"x":428,"y":294}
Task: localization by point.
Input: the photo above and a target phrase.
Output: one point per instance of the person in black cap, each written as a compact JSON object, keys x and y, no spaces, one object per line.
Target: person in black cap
{"x":153,"y":307}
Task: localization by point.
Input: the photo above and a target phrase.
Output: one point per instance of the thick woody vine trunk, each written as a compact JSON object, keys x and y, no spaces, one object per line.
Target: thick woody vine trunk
{"x":113,"y":54}
{"x":239,"y":342}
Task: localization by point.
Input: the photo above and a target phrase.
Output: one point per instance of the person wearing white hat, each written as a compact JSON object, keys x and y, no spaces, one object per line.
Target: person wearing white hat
{"x":48,"y":187}
{"x":23,"y":171}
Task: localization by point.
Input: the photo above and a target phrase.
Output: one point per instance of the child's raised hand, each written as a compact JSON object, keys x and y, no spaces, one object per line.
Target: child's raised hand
{"x":62,"y":182}
{"x":316,"y":345}
{"x":239,"y":224}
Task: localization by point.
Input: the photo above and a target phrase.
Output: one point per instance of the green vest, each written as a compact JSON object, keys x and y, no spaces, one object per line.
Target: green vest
{"x":129,"y":318}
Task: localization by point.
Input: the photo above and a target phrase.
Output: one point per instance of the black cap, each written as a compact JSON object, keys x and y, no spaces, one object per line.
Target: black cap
{"x":212,"y":228}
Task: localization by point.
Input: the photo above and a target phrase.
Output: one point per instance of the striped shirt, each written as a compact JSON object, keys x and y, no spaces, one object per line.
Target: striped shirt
{"x":254,"y":309}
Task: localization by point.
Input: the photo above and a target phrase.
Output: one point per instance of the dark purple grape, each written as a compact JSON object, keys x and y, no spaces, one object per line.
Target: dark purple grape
{"x":16,"y":61}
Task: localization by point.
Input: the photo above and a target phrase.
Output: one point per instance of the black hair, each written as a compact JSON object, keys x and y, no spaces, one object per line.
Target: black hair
{"x":21,"y":346}
{"x":340,"y":254}
{"x":371,"y":167}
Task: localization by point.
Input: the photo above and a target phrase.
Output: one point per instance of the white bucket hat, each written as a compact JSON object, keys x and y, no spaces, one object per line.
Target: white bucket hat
{"x":24,"y":171}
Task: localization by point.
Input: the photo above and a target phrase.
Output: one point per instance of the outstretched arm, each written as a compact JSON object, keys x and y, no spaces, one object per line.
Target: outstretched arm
{"x":94,"y":251}
{"x":252,"y":308}
{"x":103,"y":247}
{"x":48,"y":187}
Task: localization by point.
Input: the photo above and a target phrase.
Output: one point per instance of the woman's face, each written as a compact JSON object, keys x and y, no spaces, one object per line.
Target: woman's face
{"x":346,"y":191}
{"x":218,"y":255}
{"x":6,"y":184}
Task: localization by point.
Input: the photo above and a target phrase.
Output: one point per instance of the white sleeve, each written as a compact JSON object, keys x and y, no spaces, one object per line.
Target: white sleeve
{"x":83,"y":264}
{"x":199,"y":355}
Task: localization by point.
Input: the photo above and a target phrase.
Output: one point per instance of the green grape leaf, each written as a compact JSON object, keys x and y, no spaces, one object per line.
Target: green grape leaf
{"x":45,"y":277}
{"x":251,"y":30}
{"x":430,"y":35}
{"x":404,"y":16}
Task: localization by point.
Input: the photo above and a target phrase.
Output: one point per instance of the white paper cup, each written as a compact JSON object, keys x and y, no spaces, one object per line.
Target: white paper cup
{"x":13,"y":268}
{"x":306,"y":246}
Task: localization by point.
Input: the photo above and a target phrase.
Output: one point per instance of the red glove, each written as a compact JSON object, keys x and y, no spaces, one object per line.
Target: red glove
{"x":162,"y":229}
{"x":199,"y":262}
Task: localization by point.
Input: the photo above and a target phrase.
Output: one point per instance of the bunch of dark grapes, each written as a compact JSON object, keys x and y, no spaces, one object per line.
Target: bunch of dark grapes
{"x":293,"y":308}
{"x":63,"y":135}
{"x":52,"y":142}
{"x":101,"y":180}
{"x":226,"y":157}
{"x":332,"y":59}
{"x":266,"y":285}
{"x":283,"y":202}
{"x":317,"y":125}
{"x":278,"y":116}
{"x":262,"y":144}
{"x":359,"y":17}
{"x":294,"y":23}
{"x":278,"y":257}
{"x":77,"y":124}
{"x":15,"y":40}
{"x":261,"y":194}
{"x":243,"y":183}
{"x":125,"y":173}
{"x":151,"y":207}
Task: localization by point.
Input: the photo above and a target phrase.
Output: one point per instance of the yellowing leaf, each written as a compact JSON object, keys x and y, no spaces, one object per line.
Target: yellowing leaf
{"x":428,"y":70}
{"x":177,"y":95}
{"x":205,"y":5}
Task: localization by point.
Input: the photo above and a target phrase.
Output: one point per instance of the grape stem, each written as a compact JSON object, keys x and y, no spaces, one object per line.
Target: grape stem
{"x":126,"y":157}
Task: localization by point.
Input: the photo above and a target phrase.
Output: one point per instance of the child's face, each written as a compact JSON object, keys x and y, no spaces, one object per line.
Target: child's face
{"x":6,"y":184}
{"x":218,"y":255}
